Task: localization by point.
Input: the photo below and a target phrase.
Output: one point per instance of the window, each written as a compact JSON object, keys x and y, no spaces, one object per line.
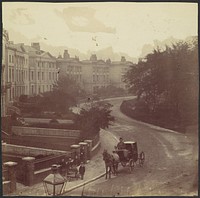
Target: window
{"x":13,"y":75}
{"x":10,"y":94}
{"x":49,"y":75}
{"x":13,"y":92}
{"x":32,"y":75}
{"x":38,"y":64}
{"x":32,"y":89}
{"x":42,"y":75}
{"x":10,"y":59}
{"x":10,"y":74}
{"x":38,"y":75}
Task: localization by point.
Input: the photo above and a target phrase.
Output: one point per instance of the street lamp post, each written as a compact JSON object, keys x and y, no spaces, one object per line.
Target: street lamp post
{"x":54,"y":183}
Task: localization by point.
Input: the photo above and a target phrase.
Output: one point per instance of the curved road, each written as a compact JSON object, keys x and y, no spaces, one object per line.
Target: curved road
{"x":170,"y":165}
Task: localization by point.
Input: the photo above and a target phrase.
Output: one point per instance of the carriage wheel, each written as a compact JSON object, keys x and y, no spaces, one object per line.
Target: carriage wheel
{"x":131,"y":165}
{"x":141,"y":158}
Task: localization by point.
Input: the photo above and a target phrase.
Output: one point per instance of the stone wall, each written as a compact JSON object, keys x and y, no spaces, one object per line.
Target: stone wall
{"x":28,"y":151}
{"x":30,"y":170}
{"x":18,"y":130}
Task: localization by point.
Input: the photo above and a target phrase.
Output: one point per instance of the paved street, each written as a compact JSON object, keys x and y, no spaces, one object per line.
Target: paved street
{"x":170,"y":165}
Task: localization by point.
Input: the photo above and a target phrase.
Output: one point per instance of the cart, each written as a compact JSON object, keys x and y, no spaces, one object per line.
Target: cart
{"x":130,"y":156}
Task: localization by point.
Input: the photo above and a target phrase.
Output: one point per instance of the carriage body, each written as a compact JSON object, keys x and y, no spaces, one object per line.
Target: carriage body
{"x":129,"y":156}
{"x":130,"y":152}
{"x":132,"y":149}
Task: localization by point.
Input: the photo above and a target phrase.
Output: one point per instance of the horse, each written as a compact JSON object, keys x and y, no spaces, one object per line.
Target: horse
{"x":115,"y":159}
{"x":111,"y":163}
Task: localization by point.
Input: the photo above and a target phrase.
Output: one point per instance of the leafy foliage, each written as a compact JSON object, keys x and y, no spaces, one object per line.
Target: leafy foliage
{"x":94,"y":117}
{"x":63,"y":95}
{"x":168,"y":81}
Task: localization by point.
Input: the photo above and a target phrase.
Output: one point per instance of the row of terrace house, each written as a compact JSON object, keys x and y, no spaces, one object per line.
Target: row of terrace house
{"x":93,"y":74}
{"x":26,"y":70}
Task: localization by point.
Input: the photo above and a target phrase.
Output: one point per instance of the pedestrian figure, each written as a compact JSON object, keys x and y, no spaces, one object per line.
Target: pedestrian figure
{"x":76,"y":161}
{"x":82,"y":170}
{"x":63,"y":167}
{"x":82,"y":155}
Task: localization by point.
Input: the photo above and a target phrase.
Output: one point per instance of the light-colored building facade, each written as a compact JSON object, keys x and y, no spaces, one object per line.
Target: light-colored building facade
{"x":71,"y":67}
{"x":94,"y":74}
{"x":43,"y":72}
{"x":4,"y":84}
{"x":26,"y":70}
{"x":17,"y":73}
{"x":117,"y":71}
{"x":89,"y":74}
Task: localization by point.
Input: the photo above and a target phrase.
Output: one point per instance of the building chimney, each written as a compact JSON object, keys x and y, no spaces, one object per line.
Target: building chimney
{"x":36,"y":46}
{"x":108,"y":61}
{"x":66,"y":55}
{"x":123,"y":59}
{"x":77,"y":58}
{"x":93,"y":57}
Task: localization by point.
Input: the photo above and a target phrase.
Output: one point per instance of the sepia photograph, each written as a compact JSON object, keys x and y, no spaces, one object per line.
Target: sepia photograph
{"x":99,"y":99}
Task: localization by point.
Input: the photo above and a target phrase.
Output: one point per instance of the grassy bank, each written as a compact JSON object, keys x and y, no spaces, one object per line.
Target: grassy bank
{"x":139,"y":111}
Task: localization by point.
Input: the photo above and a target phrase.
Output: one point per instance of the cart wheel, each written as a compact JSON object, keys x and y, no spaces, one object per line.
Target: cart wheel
{"x":141,"y":158}
{"x":131,"y":165}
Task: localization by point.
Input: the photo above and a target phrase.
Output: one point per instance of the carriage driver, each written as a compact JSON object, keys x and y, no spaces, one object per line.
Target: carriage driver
{"x":121,"y":146}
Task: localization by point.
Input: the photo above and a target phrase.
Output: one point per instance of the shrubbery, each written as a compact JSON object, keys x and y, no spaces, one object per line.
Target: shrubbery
{"x":167,"y":81}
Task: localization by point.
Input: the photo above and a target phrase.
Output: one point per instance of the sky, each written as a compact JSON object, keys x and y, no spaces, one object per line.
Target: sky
{"x":126,"y":26}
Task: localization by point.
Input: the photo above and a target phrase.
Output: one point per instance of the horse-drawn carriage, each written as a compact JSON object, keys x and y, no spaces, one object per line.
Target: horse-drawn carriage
{"x":128,"y":156}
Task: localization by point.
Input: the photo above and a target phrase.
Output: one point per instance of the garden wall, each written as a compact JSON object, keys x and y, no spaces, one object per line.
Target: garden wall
{"x":18,"y":130}
{"x":28,"y":151}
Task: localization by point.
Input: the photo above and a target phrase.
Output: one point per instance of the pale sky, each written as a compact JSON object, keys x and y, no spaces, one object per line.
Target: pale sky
{"x":94,"y":26}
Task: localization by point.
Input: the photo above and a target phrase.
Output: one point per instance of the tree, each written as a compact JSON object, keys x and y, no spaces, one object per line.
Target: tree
{"x":69,"y":86}
{"x":92,"y":118}
{"x":168,"y":81}
{"x":64,"y":94}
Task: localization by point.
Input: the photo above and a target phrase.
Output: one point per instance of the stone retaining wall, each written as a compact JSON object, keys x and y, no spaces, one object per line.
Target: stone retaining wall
{"x":28,"y":151}
{"x":18,"y":130}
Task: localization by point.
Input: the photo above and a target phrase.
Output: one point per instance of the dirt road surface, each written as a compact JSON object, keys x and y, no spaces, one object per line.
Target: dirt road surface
{"x":170,"y":167}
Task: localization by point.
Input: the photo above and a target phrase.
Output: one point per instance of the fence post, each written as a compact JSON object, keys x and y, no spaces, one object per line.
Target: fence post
{"x":83,"y":151}
{"x":89,"y":148}
{"x":11,"y":167}
{"x":29,"y":170}
{"x":75,"y":148}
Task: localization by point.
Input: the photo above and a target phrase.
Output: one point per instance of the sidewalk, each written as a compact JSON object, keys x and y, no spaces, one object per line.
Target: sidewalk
{"x":94,"y":170}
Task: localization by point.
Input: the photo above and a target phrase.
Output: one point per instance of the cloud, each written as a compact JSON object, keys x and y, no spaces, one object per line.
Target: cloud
{"x":20,"y":16}
{"x":80,"y":19}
